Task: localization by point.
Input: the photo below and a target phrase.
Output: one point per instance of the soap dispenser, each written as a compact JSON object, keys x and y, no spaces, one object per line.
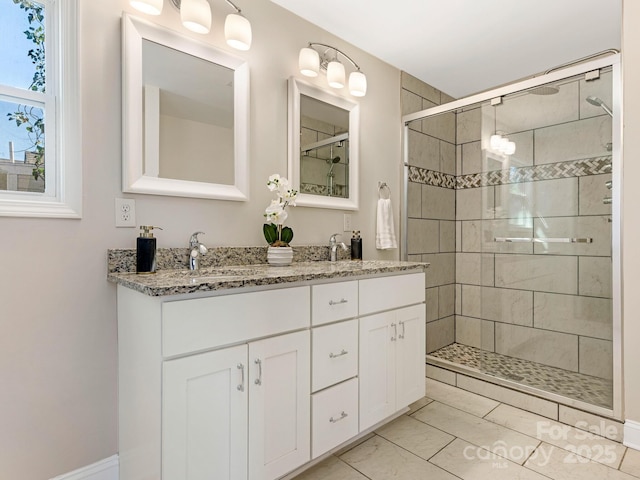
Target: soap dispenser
{"x":146,"y":250}
{"x":356,"y":246}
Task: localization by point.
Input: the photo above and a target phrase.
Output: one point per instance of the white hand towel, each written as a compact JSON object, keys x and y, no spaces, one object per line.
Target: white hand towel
{"x":385,"y":234}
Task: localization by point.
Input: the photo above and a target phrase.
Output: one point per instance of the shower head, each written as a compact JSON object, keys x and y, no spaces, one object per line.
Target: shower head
{"x":332,"y":161}
{"x":335,"y":160}
{"x":545,"y":90}
{"x":599,"y":103}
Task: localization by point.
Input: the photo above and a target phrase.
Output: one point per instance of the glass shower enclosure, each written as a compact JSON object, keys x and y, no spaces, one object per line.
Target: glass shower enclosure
{"x":513,"y":196}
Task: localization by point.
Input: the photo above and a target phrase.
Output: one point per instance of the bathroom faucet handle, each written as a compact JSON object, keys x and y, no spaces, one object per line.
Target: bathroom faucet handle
{"x":194,"y":238}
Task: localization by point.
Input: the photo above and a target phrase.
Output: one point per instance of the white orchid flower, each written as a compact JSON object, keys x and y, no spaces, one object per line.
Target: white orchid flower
{"x":274,"y":182}
{"x":275,"y":213}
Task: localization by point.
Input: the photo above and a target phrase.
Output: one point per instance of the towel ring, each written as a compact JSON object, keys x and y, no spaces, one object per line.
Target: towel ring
{"x":381,"y":187}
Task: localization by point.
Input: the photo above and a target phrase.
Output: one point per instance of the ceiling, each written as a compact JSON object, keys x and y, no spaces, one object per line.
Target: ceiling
{"x":467,"y":46}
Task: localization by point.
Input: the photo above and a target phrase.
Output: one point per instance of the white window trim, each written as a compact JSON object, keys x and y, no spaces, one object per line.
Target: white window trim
{"x":64,"y":134}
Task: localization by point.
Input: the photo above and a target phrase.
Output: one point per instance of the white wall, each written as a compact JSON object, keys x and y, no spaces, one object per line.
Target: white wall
{"x":58,"y":344}
{"x":630,"y":216}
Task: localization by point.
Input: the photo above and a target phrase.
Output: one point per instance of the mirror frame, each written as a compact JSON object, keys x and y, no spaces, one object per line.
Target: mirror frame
{"x":296,"y":88}
{"x":134,"y":30}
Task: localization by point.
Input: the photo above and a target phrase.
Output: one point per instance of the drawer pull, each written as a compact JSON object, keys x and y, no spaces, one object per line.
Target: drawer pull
{"x":241,"y":386}
{"x":342,"y":300}
{"x":336,"y":355}
{"x":402,"y":334}
{"x":395,"y":332}
{"x":342,"y":416}
{"x":258,"y":381}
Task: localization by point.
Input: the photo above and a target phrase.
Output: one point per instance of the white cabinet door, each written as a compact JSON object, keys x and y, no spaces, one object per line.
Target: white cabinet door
{"x":204,"y":416}
{"x":410,"y":355}
{"x":377,"y":368}
{"x":279,"y":405}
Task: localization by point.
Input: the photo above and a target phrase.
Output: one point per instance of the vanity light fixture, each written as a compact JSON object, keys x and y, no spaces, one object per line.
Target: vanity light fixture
{"x":318,"y":56}
{"x":196,"y":16}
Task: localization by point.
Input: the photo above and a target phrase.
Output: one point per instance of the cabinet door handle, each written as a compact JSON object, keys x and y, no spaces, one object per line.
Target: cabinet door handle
{"x":241,"y":386}
{"x":336,"y":355}
{"x":258,"y":381}
{"x":342,"y":300}
{"x":395,"y":332}
{"x":342,"y":416}
{"x":402,"y":334}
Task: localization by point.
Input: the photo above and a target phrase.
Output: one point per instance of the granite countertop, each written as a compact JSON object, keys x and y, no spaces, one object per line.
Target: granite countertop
{"x":177,"y":281}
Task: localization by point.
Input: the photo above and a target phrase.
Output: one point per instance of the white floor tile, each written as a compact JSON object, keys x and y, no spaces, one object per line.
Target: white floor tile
{"x":331,"y":469}
{"x":569,"y":438}
{"x":415,"y":436}
{"x":505,"y":442}
{"x":631,"y":462}
{"x":473,"y":463}
{"x":461,"y":399}
{"x":558,"y":464}
{"x":380,"y":459}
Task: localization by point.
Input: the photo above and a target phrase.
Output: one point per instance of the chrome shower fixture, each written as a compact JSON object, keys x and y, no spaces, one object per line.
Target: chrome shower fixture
{"x":599,"y":103}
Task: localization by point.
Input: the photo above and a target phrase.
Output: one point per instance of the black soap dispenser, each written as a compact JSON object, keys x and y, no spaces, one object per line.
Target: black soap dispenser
{"x":356,"y":246}
{"x":146,"y":250}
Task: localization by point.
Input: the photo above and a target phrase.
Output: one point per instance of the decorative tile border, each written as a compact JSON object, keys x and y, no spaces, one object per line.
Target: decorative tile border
{"x":550,"y":171}
{"x":312,"y":188}
{"x":431,"y":177}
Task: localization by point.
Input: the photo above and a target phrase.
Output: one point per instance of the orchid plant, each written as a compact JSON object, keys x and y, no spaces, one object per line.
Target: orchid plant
{"x":276,"y":234}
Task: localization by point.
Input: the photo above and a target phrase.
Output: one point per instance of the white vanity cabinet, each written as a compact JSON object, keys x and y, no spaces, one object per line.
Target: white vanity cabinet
{"x":225,"y":386}
{"x":199,"y":398}
{"x":392,"y":346}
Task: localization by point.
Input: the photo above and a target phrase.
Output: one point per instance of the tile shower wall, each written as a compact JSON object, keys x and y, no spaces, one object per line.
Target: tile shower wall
{"x":431,"y":206}
{"x":548,"y":303}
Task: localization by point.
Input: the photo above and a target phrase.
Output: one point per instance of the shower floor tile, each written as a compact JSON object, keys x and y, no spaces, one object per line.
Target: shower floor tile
{"x":586,"y":388}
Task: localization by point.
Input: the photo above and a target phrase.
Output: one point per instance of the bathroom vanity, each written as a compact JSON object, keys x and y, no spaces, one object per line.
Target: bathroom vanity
{"x":252,"y":372}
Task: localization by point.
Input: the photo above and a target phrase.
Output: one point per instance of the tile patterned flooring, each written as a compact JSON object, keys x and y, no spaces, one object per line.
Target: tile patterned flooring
{"x":589,"y":389}
{"x":455,"y":434}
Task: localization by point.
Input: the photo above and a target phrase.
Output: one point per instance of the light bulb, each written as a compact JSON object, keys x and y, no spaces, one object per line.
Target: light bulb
{"x":503,"y":144}
{"x":237,"y":31}
{"x":335,"y":74}
{"x":358,"y":84}
{"x":495,"y":141}
{"x":196,"y":15}
{"x":309,"y":62}
{"x":150,"y":7}
{"x":510,"y":148}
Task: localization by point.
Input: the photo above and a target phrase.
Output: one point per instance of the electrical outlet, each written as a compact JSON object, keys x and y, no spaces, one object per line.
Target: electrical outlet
{"x":125,"y":212}
{"x":347,"y":222}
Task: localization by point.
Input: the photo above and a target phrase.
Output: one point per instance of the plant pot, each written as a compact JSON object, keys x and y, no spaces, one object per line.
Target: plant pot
{"x":279,"y":256}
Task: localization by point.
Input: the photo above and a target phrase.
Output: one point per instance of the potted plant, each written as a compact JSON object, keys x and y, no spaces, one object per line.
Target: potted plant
{"x":275,"y":233}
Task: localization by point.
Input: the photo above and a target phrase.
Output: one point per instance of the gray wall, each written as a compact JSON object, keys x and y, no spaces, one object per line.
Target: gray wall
{"x":58,"y":345}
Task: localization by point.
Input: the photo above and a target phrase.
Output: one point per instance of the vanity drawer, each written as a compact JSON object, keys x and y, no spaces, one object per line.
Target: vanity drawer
{"x":205,"y":323}
{"x":334,"y":301}
{"x":334,"y":354}
{"x":385,"y":293}
{"x":334,"y":416}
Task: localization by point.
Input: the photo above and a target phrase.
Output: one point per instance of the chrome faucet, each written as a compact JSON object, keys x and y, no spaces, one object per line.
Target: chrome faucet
{"x":333,"y":244}
{"x":195,"y":250}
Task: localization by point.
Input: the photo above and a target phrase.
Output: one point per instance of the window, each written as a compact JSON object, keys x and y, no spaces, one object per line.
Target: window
{"x":40,"y":163}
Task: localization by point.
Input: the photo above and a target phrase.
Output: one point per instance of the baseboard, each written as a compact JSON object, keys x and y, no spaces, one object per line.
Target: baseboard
{"x":632,"y":434}
{"x":106,"y":469}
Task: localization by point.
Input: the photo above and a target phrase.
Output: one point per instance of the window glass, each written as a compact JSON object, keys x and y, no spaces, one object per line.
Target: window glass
{"x":22,"y":114}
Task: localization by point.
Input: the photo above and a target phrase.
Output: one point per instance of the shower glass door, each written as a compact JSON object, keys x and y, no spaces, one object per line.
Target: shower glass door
{"x":529,"y":204}
{"x":534,"y":203}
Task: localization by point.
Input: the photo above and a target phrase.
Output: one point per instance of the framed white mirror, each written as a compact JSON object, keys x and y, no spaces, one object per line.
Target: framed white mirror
{"x":185,"y":116}
{"x":323,"y":147}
